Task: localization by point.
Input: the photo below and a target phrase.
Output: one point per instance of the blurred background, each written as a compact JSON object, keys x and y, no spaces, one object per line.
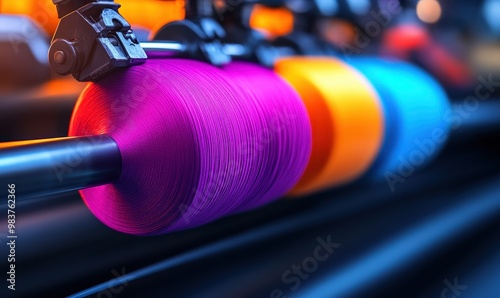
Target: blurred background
{"x":437,"y":235}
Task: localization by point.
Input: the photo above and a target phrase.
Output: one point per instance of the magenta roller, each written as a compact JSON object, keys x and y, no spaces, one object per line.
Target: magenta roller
{"x":174,"y":144}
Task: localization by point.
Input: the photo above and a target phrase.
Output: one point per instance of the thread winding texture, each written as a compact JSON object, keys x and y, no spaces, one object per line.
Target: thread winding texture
{"x":282,"y":130}
{"x":346,"y":117}
{"x":196,"y":144}
{"x":415,"y":106}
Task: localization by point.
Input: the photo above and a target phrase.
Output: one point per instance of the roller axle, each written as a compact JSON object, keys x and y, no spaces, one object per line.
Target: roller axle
{"x":53,"y":166}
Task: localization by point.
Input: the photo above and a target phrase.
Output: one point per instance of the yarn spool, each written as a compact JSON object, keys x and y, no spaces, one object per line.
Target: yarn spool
{"x":283,"y":134}
{"x":415,"y":105}
{"x":181,"y":127}
{"x":346,"y":117}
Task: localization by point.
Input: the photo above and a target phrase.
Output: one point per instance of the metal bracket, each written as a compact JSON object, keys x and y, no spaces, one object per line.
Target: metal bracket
{"x":201,"y":37}
{"x":92,"y":40}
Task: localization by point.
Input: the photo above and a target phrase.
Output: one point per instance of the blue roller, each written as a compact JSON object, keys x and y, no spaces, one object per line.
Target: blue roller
{"x":414,"y":105}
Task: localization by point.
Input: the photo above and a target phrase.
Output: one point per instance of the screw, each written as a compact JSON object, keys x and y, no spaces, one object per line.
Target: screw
{"x":60,"y":57}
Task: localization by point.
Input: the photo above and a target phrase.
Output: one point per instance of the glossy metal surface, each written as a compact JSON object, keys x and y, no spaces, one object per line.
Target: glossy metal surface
{"x":52,"y":166}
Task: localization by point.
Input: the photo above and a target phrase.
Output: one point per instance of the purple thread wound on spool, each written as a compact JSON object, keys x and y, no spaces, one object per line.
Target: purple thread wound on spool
{"x":181,"y":127}
{"x":284,"y":130}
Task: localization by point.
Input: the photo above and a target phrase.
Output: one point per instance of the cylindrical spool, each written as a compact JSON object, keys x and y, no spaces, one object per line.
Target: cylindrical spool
{"x":346,"y":116}
{"x":180,"y":126}
{"x":416,"y":107}
{"x":283,"y":134}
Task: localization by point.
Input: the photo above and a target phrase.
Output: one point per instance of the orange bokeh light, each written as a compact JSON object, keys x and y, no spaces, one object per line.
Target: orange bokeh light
{"x":429,"y":11}
{"x":42,"y":11}
{"x":272,"y":21}
{"x":145,"y":13}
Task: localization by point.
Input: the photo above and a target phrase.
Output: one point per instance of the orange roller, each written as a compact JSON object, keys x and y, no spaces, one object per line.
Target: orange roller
{"x":346,"y":116}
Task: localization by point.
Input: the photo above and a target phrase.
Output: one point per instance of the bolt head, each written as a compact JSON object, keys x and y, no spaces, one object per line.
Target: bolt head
{"x":63,"y":57}
{"x":60,"y":57}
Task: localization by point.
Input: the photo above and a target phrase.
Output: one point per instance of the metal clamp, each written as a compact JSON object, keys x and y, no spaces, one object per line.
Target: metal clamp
{"x":92,"y":40}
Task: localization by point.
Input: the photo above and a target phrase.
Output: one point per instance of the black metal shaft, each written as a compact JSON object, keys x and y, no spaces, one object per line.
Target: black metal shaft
{"x":53,"y":166}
